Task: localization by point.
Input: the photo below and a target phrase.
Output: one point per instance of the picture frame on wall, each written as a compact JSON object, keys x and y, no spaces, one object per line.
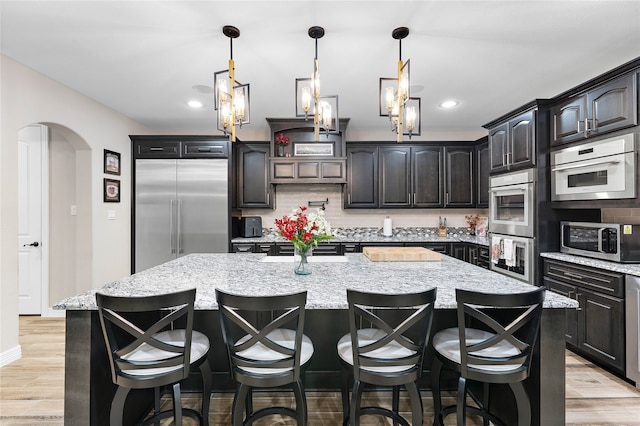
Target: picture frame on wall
{"x":111,"y":162}
{"x":111,"y":191}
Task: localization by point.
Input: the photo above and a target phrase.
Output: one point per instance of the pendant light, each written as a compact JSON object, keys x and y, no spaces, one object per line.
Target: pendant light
{"x":309,"y":102}
{"x":395,"y":98}
{"x":232,"y":99}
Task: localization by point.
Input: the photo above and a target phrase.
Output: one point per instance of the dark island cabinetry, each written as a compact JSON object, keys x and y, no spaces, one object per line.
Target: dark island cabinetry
{"x":596,"y":328}
{"x":605,"y":108}
{"x":252,"y":176}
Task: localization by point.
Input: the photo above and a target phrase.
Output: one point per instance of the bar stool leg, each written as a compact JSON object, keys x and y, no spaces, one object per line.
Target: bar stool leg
{"x":177,"y":404}
{"x":205,"y":371}
{"x":344,"y":374}
{"x":395,"y":403}
{"x":461,"y":409}
{"x":301,"y":403}
{"x":522,"y":402}
{"x":356,"y":396}
{"x":239,"y":402}
{"x":435,"y":391}
{"x":416,"y":403}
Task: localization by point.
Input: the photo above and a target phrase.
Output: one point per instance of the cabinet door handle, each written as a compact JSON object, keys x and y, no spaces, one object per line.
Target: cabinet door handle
{"x":268,"y":196}
{"x":348,"y":198}
{"x":586,"y":127}
{"x":446,"y":198}
{"x":414,"y":198}
{"x":578,"y":296}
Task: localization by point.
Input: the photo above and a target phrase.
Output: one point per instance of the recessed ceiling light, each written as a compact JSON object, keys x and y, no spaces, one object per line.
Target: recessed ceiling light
{"x":448,"y":104}
{"x":195,"y":104}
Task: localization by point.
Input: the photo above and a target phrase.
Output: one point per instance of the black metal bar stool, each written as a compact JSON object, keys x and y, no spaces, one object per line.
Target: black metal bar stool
{"x":151,"y":344}
{"x":385,"y":347}
{"x":497,"y":349}
{"x":267,"y":355}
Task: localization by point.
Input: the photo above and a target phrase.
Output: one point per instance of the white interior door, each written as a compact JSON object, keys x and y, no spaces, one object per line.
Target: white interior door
{"x":30,"y":260}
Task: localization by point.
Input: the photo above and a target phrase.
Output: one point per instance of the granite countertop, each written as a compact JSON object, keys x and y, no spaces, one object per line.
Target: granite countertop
{"x":374,"y":235}
{"x":257,"y":274}
{"x":624,"y":268}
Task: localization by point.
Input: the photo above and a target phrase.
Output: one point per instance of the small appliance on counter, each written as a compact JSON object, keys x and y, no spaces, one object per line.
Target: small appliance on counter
{"x":607,"y":241}
{"x":248,"y":226}
{"x":387,"y":228}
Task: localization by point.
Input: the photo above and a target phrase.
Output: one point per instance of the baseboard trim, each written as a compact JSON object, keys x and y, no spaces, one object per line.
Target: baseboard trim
{"x":11,"y":355}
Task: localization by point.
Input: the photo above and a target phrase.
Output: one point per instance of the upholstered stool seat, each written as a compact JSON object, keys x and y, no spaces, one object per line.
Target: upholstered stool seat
{"x":385,"y":348}
{"x":267,"y":349}
{"x":151,"y":344}
{"x":497,"y":350}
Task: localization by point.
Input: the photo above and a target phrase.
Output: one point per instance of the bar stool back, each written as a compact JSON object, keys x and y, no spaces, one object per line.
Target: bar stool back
{"x":498,"y":349}
{"x":146,"y":350}
{"x":385,"y":347}
{"x":266,"y":348}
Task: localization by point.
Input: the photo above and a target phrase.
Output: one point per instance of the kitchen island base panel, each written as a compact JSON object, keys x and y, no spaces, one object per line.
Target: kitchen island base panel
{"x":89,"y":390}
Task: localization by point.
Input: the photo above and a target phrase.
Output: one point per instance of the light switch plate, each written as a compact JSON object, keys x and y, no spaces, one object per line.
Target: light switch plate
{"x":111,"y":214}
{"x":74,"y":210}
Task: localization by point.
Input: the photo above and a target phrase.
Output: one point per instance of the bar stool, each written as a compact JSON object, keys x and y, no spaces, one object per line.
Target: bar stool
{"x":265,"y":356}
{"x":385,"y":347}
{"x":146,"y":350}
{"x":499,"y":350}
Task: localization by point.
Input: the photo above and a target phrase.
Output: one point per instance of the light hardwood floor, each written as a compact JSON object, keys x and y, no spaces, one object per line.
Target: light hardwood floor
{"x":32,"y":389}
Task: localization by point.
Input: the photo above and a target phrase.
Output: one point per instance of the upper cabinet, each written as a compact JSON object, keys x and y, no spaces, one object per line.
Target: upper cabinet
{"x":512,"y":143}
{"x":410,"y":176}
{"x":361,"y":190}
{"x":252,"y":175}
{"x":304,"y":160}
{"x":483,"y":161}
{"x":605,"y":108}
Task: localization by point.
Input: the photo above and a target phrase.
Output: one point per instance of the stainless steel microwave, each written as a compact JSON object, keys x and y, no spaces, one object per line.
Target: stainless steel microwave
{"x":607,"y":241}
{"x":600,"y":170}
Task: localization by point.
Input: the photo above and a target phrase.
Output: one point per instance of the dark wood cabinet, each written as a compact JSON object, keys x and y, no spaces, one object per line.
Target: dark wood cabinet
{"x":459,"y":176}
{"x":243,"y":248}
{"x":361,"y":190}
{"x":478,"y":255}
{"x":427,"y":176}
{"x":252,"y":176}
{"x":150,"y":146}
{"x":459,"y":251}
{"x":605,"y":108}
{"x":413,"y":176}
{"x":395,"y":176}
{"x":596,"y":328}
{"x":513,"y":143}
{"x":483,"y":165}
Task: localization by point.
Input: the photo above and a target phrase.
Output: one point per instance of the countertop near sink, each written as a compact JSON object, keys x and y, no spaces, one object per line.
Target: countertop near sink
{"x":624,"y":268}
{"x":374,"y":235}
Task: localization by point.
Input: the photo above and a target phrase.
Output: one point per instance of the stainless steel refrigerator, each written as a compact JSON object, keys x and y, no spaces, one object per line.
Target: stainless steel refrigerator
{"x":181,"y":207}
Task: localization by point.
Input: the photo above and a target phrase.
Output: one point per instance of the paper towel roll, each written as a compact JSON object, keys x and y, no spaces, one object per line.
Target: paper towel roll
{"x":386,"y":229}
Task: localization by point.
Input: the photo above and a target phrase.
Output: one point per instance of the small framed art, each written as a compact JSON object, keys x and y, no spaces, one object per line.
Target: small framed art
{"x":111,"y":162}
{"x":111,"y":191}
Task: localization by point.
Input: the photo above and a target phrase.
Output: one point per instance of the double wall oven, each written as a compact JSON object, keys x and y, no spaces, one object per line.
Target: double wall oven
{"x":512,"y":224}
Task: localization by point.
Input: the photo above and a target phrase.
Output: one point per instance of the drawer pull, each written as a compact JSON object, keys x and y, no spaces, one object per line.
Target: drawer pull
{"x":570,"y":275}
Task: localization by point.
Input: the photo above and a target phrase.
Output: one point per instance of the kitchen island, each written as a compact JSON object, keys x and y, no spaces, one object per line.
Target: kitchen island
{"x":88,"y":387}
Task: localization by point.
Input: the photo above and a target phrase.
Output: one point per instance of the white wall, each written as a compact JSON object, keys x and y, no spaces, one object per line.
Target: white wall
{"x":27,"y":97}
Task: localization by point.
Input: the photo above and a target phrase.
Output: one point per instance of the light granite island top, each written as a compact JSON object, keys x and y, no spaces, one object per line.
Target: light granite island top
{"x":257,"y":274}
{"x":88,"y":387}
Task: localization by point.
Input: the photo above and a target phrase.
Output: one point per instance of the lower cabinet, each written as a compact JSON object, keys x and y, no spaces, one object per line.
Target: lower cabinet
{"x":459,"y":251}
{"x":596,"y":328}
{"x":478,"y":255}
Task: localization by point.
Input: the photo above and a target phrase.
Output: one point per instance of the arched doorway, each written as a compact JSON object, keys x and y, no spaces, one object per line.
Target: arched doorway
{"x":67,"y":216}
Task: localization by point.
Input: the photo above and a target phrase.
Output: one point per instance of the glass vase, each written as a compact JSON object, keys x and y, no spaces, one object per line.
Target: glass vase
{"x":301,"y":265}
{"x":280,"y":150}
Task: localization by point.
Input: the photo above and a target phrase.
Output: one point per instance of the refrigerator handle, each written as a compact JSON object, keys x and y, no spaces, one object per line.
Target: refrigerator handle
{"x":179,"y":226}
{"x":172,"y":235}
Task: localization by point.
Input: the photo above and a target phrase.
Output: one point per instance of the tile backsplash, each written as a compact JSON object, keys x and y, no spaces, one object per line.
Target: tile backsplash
{"x":289,"y":197}
{"x":624,"y":216}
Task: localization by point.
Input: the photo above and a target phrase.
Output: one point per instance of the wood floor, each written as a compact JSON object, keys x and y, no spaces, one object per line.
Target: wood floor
{"x":32,"y":389}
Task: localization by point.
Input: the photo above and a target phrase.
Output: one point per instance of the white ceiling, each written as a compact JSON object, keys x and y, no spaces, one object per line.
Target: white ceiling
{"x":142,"y":58}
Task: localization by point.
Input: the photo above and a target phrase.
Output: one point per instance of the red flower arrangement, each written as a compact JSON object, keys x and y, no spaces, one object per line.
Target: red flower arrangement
{"x":282,"y":140}
{"x":472,"y":220}
{"x":304,"y":231}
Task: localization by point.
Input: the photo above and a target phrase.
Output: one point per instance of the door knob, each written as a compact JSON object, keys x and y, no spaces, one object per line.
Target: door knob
{"x":34,"y":244}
